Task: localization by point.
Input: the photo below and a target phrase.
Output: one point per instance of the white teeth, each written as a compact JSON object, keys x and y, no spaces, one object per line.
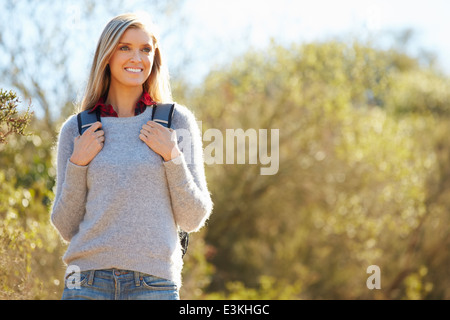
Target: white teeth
{"x":133,"y":70}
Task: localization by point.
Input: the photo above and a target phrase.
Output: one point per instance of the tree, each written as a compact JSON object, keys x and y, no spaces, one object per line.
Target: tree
{"x":354,"y":183}
{"x":45,"y":48}
{"x":10,"y":122}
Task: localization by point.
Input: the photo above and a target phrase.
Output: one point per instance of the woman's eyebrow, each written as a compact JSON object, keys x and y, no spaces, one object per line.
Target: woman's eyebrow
{"x":130,"y":44}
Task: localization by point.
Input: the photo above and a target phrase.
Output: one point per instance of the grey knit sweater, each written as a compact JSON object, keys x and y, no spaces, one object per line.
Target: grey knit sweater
{"x":124,"y":208}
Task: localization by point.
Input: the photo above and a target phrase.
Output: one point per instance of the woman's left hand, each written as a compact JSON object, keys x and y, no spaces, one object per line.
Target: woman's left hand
{"x":160,"y":139}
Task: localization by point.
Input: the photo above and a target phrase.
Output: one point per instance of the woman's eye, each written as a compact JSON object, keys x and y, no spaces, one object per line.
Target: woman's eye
{"x":124,"y":48}
{"x":147,"y":50}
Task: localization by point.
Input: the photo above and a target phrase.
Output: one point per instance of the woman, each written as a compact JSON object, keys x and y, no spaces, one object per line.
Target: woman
{"x":125,"y":187}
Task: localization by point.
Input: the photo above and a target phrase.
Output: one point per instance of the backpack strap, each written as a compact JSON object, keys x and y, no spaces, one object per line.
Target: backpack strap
{"x":86,"y":119}
{"x":162,"y":114}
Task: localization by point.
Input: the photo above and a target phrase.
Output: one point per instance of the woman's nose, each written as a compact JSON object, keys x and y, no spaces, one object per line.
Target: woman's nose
{"x":136,"y":56}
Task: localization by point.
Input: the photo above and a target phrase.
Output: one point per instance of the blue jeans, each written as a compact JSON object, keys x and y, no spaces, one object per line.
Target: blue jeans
{"x":115,"y":284}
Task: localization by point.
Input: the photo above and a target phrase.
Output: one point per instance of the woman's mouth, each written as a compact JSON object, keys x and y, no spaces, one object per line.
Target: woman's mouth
{"x":134,"y":70}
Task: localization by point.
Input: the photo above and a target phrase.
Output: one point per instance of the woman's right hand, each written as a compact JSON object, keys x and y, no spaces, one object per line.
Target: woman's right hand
{"x":87,"y":146}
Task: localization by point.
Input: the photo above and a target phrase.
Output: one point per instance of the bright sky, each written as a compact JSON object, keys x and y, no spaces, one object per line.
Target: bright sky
{"x":203,"y":34}
{"x":227,"y":26}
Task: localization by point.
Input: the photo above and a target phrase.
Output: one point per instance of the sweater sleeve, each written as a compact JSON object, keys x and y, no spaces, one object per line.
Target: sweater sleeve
{"x":70,"y":197}
{"x":191,"y":200}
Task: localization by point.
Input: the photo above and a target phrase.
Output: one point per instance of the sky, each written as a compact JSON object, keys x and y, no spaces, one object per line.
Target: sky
{"x":202,"y":35}
{"x":237,"y":24}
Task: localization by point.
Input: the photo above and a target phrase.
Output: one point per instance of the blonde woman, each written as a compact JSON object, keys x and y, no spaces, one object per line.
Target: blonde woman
{"x":125,"y":187}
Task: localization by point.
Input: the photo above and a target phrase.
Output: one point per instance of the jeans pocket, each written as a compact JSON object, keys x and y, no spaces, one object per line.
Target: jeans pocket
{"x":158,"y":284}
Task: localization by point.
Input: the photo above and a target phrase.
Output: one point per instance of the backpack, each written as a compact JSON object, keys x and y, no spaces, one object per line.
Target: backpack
{"x":162,"y":114}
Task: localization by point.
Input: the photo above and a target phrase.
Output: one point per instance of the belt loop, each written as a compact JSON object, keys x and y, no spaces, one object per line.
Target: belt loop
{"x":91,"y":277}
{"x":137,"y":279}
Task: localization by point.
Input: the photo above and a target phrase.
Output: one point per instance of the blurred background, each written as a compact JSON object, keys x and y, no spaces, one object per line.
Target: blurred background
{"x":360,"y":93}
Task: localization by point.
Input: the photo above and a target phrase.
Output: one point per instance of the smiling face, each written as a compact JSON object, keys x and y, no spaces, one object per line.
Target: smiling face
{"x":132,"y":61}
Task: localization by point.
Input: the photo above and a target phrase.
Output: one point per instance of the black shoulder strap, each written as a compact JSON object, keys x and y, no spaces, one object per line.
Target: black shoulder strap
{"x":86,"y":119}
{"x":163,"y":113}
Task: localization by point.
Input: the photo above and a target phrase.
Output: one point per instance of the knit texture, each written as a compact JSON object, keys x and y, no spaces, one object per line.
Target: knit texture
{"x":123,"y":210}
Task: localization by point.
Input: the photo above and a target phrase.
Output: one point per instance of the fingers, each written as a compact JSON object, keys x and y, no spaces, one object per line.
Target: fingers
{"x":144,"y":138}
{"x":95,"y":126}
{"x":156,"y":125}
{"x":151,"y":129}
{"x":99,"y":133}
{"x":92,"y":137}
{"x":151,"y":135}
{"x":94,"y":131}
{"x":153,"y":124}
{"x":87,"y":146}
{"x":156,"y":128}
{"x":101,"y":139}
{"x":147,"y":128}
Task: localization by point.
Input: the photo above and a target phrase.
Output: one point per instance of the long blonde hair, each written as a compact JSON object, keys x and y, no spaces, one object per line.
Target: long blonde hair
{"x":157,"y":84}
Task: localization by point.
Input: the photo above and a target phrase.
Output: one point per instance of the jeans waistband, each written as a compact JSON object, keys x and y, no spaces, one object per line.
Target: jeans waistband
{"x":117,"y":272}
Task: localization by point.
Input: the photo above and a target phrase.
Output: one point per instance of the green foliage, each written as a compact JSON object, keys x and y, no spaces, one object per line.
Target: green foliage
{"x":30,"y":248}
{"x":364,"y":179}
{"x":197,"y":271}
{"x":268,"y":288}
{"x":359,"y":164}
{"x":10,"y":122}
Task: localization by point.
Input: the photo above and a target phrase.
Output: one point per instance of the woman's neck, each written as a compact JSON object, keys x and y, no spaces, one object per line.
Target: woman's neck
{"x":124,"y":100}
